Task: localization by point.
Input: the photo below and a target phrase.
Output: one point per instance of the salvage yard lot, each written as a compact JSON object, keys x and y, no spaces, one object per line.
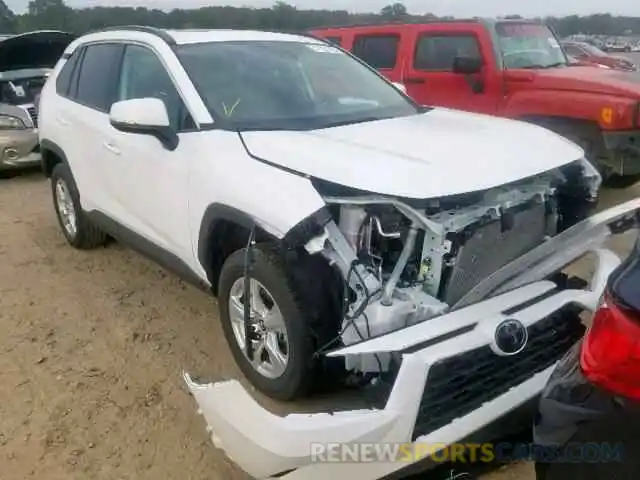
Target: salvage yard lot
{"x":92,"y":346}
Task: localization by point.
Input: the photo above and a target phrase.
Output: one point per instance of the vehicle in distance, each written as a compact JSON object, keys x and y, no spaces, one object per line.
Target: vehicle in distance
{"x":326,"y":210}
{"x":25,"y":62}
{"x":591,"y":54}
{"x":593,"y":395}
{"x":511,"y":68}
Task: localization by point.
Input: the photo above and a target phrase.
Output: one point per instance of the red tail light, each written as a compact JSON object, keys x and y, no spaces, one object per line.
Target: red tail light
{"x":610,"y":355}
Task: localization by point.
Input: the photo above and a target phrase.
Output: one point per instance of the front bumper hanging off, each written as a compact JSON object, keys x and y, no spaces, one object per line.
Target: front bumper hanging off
{"x":266,"y":445}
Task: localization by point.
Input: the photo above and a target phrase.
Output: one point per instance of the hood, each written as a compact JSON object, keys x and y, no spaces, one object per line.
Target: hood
{"x":587,"y":79}
{"x":40,"y":49}
{"x":438,"y":153}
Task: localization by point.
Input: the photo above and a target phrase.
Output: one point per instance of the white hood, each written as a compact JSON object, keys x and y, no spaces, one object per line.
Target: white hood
{"x":439,"y":153}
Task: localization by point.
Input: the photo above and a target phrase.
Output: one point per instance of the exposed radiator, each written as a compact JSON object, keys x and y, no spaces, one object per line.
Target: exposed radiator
{"x":488,"y":245}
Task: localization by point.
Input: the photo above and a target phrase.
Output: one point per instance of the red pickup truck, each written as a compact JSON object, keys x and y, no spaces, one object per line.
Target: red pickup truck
{"x":512,"y":68}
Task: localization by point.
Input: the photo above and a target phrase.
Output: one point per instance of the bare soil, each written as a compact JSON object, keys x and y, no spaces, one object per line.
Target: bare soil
{"x":92,"y":347}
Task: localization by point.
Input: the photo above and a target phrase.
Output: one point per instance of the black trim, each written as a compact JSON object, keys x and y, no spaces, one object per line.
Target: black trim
{"x":215,"y":213}
{"x":54,"y":148}
{"x":165,"y":135}
{"x":141,"y":245}
{"x":158,"y":32}
{"x":308,"y":228}
{"x":530,"y":302}
{"x":439,"y":339}
{"x":267,"y":162}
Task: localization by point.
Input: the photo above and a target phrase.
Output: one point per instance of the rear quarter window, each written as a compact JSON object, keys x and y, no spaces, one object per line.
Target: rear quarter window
{"x":379,"y":51}
{"x":63,"y":82}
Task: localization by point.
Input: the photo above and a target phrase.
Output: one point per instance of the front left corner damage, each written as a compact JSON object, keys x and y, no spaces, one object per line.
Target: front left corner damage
{"x":245,"y":431}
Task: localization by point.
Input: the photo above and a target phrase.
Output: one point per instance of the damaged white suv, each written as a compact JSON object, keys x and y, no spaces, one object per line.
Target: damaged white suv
{"x":336,"y":221}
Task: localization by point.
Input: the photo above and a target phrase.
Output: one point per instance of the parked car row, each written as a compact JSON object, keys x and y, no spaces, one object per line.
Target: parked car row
{"x":592,"y":55}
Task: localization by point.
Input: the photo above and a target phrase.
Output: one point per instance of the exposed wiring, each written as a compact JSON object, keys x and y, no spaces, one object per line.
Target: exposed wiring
{"x":248,"y":268}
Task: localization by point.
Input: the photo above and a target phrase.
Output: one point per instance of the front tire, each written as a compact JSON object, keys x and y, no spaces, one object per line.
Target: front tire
{"x":76,"y":227}
{"x":283,"y":367}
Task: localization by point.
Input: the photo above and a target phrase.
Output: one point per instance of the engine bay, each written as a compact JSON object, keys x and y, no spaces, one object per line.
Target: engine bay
{"x":405,"y":261}
{"x":21,"y":91}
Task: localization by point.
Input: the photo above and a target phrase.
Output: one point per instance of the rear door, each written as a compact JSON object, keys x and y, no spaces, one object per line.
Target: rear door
{"x":381,"y":50}
{"x":429,"y":76}
{"x":82,"y":116}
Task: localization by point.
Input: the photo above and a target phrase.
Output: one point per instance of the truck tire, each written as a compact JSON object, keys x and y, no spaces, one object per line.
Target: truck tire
{"x":78,"y":230}
{"x":283,"y":367}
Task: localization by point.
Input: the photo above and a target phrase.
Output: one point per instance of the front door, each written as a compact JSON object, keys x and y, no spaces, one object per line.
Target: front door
{"x":153,"y":182}
{"x":430,"y":80}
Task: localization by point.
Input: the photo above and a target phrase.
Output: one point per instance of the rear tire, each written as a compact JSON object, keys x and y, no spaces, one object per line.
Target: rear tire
{"x":295,"y":379}
{"x":76,"y":227}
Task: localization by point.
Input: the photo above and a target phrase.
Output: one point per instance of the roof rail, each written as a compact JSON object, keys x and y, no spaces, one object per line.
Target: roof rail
{"x":158,"y":32}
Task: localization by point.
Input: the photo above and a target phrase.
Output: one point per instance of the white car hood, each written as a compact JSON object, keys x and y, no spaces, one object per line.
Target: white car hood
{"x":441,"y":152}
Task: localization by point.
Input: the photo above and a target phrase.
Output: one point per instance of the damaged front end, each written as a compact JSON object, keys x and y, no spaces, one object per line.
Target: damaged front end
{"x":430,"y":286}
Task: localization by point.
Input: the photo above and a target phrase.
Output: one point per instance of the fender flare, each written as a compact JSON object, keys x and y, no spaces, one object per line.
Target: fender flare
{"x":46,"y":163}
{"x":214,"y":215}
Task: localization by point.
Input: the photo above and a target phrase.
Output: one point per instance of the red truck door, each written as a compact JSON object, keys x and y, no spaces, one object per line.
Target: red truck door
{"x":428,"y":71}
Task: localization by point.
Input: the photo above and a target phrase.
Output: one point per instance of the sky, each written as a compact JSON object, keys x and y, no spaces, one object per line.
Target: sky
{"x":458,"y":8}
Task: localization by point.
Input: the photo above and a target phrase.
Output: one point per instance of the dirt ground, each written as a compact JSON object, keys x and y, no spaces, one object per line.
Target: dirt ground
{"x":92,"y":346}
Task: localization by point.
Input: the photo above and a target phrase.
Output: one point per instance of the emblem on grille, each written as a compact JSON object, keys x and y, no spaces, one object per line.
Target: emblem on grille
{"x":511,"y":337}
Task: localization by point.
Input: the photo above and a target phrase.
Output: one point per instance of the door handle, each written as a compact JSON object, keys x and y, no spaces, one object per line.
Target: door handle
{"x":112,"y":148}
{"x":414,"y":80}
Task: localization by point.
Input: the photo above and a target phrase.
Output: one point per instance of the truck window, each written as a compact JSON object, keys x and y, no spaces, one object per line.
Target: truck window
{"x":574,"y":51}
{"x":437,"y":52}
{"x":528,"y":45}
{"x":379,"y":51}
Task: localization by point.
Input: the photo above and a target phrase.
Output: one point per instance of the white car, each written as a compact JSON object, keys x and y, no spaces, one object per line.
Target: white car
{"x":336,"y":221}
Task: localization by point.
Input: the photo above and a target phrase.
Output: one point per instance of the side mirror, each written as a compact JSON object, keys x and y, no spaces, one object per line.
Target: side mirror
{"x":467,"y":65}
{"x":145,"y":116}
{"x":400,"y":86}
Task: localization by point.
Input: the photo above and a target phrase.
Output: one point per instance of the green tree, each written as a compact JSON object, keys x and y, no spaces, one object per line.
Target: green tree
{"x":395,"y":11}
{"x":8,"y":22}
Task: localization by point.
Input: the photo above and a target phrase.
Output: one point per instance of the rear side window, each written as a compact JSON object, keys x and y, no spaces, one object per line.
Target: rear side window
{"x":64,"y":77}
{"x":96,"y":83}
{"x":379,"y":51}
{"x":437,"y":52}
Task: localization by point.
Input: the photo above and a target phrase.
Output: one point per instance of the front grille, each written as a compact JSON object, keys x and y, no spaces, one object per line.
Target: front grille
{"x":484,"y":248}
{"x":33,"y":113}
{"x":459,"y":385}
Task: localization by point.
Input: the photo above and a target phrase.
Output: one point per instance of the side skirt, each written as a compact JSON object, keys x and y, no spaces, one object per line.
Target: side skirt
{"x":153,"y":252}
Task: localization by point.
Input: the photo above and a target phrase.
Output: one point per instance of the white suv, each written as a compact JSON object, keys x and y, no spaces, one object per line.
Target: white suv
{"x":335,"y":220}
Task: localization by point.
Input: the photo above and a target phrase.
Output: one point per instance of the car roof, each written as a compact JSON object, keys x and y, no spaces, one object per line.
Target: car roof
{"x":193,"y":36}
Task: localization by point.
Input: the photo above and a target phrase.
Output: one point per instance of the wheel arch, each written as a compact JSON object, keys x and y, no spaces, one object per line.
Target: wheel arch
{"x":223,"y":230}
{"x":52,"y":154}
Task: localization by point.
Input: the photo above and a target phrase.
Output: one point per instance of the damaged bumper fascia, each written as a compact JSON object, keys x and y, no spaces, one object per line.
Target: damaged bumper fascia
{"x":264,"y":444}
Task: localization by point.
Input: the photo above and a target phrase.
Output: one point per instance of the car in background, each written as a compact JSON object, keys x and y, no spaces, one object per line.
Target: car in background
{"x":25,"y":63}
{"x":576,"y":62}
{"x":591,"y":54}
{"x":590,"y":406}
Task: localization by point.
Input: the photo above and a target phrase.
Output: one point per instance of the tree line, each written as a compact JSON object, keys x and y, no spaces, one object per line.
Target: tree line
{"x":55,"y":14}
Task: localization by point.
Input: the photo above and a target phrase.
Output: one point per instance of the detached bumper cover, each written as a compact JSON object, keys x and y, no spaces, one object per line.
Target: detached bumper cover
{"x":265,"y":445}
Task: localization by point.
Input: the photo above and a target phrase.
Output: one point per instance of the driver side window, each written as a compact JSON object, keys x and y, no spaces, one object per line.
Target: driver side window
{"x":437,"y":52}
{"x":143,"y":75}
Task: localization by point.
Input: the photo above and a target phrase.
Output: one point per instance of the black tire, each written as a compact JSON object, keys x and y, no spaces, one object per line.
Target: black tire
{"x":87,"y":236}
{"x":268,"y":269}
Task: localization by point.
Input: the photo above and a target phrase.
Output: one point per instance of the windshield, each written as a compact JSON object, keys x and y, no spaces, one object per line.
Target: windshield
{"x":277,"y":85}
{"x":529,"y":45}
